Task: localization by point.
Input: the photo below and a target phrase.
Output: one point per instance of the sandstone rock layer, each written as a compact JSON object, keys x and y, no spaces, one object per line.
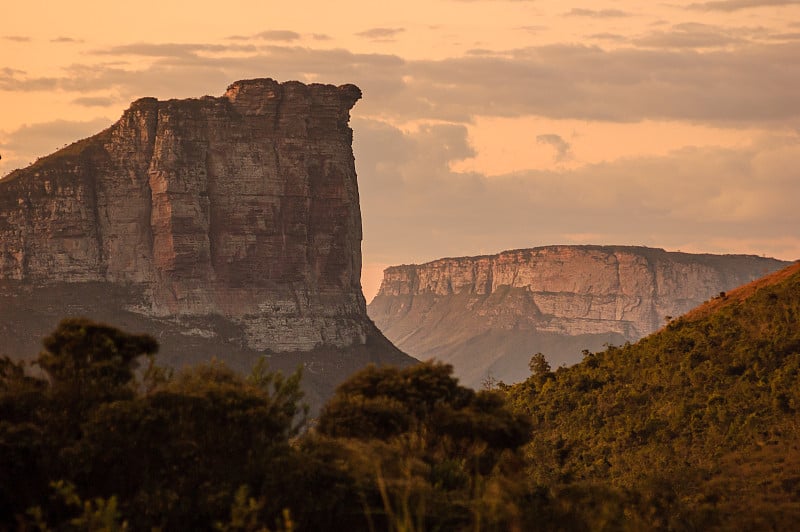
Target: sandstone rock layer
{"x":243,"y":207}
{"x":489,"y":314}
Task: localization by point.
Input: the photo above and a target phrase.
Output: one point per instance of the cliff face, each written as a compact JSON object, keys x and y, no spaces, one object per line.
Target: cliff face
{"x":489,"y":314}
{"x":243,"y":207}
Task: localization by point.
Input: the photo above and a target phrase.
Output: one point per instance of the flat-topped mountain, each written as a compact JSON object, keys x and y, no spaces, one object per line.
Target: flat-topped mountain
{"x":487,"y":315}
{"x":231,"y":222}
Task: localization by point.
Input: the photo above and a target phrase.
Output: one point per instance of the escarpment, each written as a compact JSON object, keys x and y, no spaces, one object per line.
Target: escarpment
{"x":240,"y":210}
{"x":487,"y":315}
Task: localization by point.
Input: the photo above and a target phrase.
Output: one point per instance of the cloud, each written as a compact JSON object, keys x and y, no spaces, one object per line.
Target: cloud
{"x":321,"y":37}
{"x":381,"y":34}
{"x":416,"y":208}
{"x":63,"y":39}
{"x":784,"y":36}
{"x":94,"y":101}
{"x":532,"y":28}
{"x":614,"y":37}
{"x":11,"y":80}
{"x":562,"y":147}
{"x":9,"y":72}
{"x":269,"y":35}
{"x":689,"y":35}
{"x":278,"y":35}
{"x":623,"y":84}
{"x":17,"y":38}
{"x":177,"y":50}
{"x":746,"y":83}
{"x":736,"y":5}
{"x":596,"y":13}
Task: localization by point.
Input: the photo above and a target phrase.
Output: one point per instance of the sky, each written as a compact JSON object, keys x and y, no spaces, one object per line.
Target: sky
{"x":485,"y":125}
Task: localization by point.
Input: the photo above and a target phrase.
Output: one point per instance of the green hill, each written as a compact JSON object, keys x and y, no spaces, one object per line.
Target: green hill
{"x":694,"y":427}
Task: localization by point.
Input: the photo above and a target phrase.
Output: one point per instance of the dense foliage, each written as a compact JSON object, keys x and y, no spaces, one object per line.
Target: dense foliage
{"x":696,"y":427}
{"x":428,"y":453}
{"x":94,"y":443}
{"x":172,"y":451}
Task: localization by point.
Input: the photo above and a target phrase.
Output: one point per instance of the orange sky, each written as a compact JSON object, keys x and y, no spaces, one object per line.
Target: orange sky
{"x":485,"y":124}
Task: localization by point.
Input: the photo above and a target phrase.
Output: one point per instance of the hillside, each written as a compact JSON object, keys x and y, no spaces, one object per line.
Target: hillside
{"x":487,"y":315}
{"x":699,"y":422}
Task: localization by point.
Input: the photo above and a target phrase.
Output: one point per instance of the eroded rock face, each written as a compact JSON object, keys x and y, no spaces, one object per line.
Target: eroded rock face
{"x":487,"y":315}
{"x":243,"y":206}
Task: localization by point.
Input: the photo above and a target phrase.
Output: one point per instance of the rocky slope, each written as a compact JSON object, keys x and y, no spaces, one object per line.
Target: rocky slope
{"x":487,"y":315}
{"x":233,"y":219}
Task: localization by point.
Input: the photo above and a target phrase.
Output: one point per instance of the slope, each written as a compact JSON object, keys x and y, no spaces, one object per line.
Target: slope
{"x":699,"y":421}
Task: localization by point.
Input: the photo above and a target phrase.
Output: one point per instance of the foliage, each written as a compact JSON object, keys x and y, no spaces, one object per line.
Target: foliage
{"x":427,"y":452}
{"x":169,"y":452}
{"x":693,"y":427}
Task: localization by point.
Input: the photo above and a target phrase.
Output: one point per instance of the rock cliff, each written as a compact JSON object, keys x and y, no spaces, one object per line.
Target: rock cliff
{"x":487,"y":315}
{"x":243,"y":208}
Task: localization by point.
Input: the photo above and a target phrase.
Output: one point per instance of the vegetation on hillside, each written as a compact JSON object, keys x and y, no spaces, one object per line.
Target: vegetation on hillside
{"x":694,"y":428}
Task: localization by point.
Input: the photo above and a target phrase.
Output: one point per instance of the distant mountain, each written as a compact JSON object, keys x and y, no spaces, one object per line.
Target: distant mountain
{"x":698,"y":423}
{"x":224,"y":226}
{"x":487,"y":315}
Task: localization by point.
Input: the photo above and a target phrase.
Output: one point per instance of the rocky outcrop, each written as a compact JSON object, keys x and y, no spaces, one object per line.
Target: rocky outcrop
{"x":243,"y":207}
{"x":489,"y":314}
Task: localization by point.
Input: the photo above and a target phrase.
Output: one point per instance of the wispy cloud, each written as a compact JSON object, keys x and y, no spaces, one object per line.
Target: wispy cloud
{"x":381,"y":34}
{"x":532,"y":29}
{"x":12,"y":80}
{"x":783,"y":36}
{"x":94,"y":101}
{"x":63,"y":39}
{"x":171,"y":49}
{"x":596,"y":13}
{"x":689,"y":35}
{"x":736,"y":5}
{"x":562,"y":147}
{"x":17,"y":38}
{"x":608,"y":37}
{"x":268,"y":35}
{"x":278,"y":35}
{"x":665,"y":81}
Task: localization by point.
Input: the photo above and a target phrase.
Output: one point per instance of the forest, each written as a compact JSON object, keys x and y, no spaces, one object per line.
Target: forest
{"x":696,"y":427}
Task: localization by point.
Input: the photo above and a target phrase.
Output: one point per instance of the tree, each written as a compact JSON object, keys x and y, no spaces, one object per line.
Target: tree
{"x":89,"y":358}
{"x":426,"y":452}
{"x":539,"y":365}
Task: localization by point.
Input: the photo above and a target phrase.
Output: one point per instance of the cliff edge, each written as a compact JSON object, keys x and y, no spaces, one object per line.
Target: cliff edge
{"x":487,"y":315}
{"x":233,"y":217}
